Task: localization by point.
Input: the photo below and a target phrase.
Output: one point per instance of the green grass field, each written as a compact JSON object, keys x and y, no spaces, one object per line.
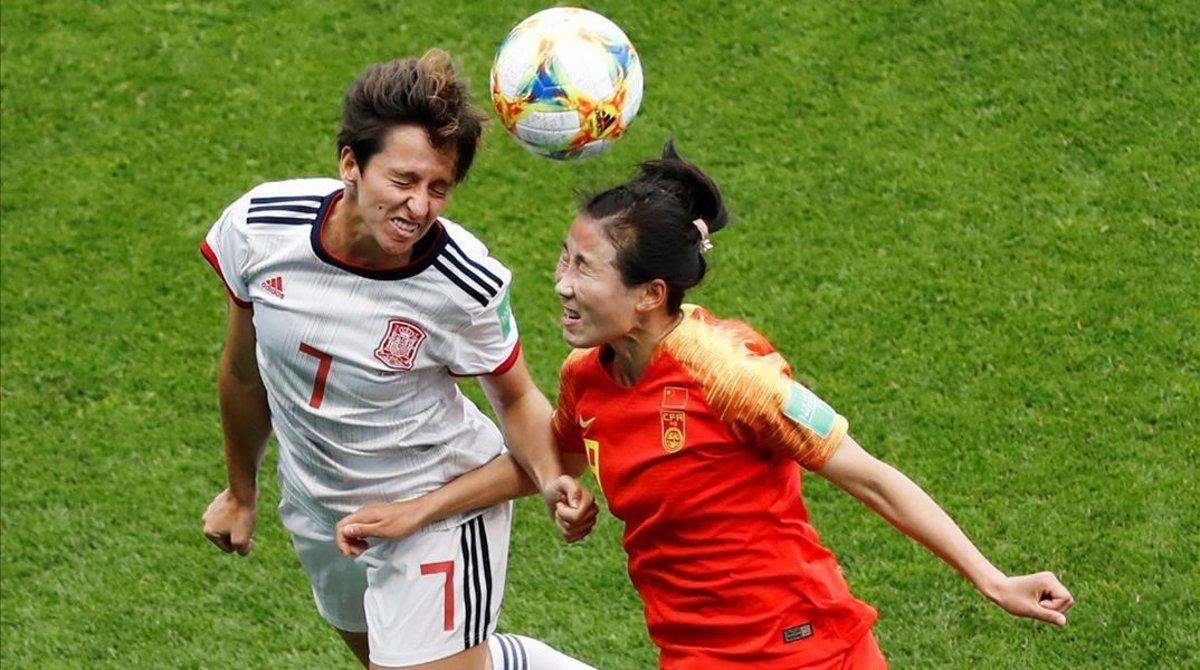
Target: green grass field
{"x":974,"y":226}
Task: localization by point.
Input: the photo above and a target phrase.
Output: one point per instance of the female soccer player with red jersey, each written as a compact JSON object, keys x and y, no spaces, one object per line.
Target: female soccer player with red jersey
{"x":696,"y":433}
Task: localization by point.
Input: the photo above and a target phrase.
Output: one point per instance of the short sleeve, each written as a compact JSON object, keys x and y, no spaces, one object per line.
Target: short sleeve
{"x":797,"y":424}
{"x":748,"y":384}
{"x":489,"y":344}
{"x":565,"y":423}
{"x":225,"y":250}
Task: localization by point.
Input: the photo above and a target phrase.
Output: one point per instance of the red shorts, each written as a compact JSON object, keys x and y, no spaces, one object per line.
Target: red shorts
{"x":864,"y":655}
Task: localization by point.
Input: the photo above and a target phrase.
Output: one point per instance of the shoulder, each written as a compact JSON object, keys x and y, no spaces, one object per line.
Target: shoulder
{"x":481,"y":281}
{"x":462,"y":245}
{"x":304,"y":188}
{"x":709,"y":335}
{"x":293,"y":201}
{"x":577,"y":373}
{"x":726,"y":356}
{"x":726,"y":331}
{"x":577,"y":362}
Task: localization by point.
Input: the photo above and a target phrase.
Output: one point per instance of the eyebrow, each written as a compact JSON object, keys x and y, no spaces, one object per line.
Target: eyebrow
{"x":578,"y":256}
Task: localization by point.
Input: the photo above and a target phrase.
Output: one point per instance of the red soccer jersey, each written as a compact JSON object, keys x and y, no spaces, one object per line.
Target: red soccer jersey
{"x":701,"y":461}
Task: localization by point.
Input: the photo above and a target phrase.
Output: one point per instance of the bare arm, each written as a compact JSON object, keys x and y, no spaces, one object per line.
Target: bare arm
{"x":906,"y":506}
{"x":245,"y":415}
{"x":246,"y":424}
{"x":501,"y":479}
{"x":525,"y":415}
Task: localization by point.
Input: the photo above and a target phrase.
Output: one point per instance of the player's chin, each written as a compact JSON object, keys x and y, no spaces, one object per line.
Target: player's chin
{"x":576,"y":336}
{"x":570,"y":338}
{"x":397,"y":246}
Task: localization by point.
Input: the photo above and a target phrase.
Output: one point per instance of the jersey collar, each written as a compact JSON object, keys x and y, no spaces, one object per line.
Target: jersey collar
{"x":662,"y":350}
{"x":425,"y":251}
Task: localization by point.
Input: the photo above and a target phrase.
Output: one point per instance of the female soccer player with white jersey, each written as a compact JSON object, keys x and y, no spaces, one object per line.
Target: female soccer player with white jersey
{"x":697,"y":435}
{"x":353,"y":307}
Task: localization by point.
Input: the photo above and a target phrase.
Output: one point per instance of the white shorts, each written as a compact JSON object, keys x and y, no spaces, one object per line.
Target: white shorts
{"x":426,"y":597}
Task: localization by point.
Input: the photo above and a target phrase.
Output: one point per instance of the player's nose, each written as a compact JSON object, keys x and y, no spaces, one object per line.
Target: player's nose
{"x":561,"y":286}
{"x":418,"y":205}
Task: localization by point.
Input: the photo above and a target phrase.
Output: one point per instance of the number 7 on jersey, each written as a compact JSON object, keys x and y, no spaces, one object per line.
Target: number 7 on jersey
{"x":324,"y":362}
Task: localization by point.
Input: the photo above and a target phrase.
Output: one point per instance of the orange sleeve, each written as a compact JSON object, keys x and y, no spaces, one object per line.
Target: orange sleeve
{"x":565,"y":423}
{"x":792,"y":420}
{"x":748,"y":384}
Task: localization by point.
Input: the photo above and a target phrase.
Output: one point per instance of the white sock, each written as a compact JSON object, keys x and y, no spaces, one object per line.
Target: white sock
{"x":517,"y":652}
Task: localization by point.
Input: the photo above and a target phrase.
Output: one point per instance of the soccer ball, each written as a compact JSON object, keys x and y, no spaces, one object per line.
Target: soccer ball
{"x":566,"y":83}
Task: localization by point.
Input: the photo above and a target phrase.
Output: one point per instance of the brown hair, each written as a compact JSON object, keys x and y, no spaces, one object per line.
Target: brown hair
{"x":425,"y":92}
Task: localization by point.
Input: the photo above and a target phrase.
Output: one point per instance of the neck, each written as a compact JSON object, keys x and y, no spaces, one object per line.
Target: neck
{"x":633,"y":351}
{"x":349,"y":238}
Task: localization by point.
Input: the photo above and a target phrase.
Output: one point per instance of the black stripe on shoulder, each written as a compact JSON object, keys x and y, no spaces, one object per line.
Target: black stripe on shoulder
{"x":285,"y":198}
{"x":458,"y":281}
{"x":285,"y":220}
{"x":476,"y":264}
{"x":469,"y":274}
{"x":460,"y":260}
{"x":305,"y":209}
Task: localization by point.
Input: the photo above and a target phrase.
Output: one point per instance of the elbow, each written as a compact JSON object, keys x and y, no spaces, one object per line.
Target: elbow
{"x":240,"y":383}
{"x":574,"y":464}
{"x":872,"y":495}
{"x":240,"y":372}
{"x":871,"y":486}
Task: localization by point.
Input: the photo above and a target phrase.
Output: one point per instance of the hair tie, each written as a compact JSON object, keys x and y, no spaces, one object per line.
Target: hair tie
{"x":705,"y":243}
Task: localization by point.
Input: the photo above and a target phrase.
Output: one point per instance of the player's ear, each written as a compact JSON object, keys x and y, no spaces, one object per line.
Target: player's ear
{"x":348,"y":167}
{"x":654,"y":296}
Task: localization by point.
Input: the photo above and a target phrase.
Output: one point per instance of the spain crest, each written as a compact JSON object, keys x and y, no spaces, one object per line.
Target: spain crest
{"x":398,"y":348}
{"x":674,"y":430}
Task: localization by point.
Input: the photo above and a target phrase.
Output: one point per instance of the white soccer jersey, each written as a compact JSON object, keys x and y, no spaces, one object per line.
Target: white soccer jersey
{"x":359,"y":363}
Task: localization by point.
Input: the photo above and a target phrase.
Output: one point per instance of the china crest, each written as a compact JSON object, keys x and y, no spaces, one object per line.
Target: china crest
{"x":673,"y":430}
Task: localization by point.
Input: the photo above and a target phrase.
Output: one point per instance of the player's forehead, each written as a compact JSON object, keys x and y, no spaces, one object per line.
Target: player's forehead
{"x":406,"y":149}
{"x":587,"y":240}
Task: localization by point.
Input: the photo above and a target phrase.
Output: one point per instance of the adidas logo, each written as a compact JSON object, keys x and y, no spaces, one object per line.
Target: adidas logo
{"x":274,"y":286}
